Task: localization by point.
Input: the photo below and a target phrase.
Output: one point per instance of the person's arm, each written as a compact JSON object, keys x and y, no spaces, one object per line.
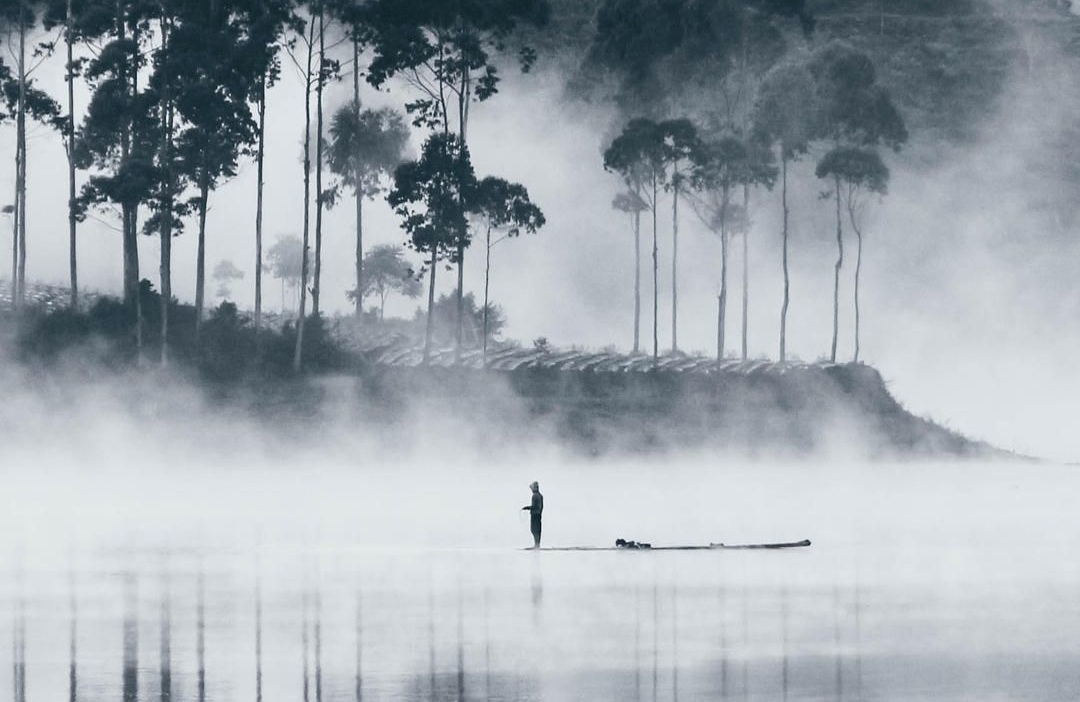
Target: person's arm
{"x":526,"y":508}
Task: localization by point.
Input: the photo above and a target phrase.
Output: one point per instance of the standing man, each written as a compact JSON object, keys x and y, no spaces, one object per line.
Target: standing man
{"x":536,"y":509}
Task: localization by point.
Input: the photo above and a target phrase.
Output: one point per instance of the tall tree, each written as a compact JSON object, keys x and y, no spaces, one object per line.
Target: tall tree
{"x":271,"y":19}
{"x":721,"y":166}
{"x":309,"y":40}
{"x":328,"y":69}
{"x":448,"y":52}
{"x":119,"y":135}
{"x":67,"y":13}
{"x":859,"y":171}
{"x":680,"y":145}
{"x":365,"y":147}
{"x":631,"y":202}
{"x":854,"y":110}
{"x":23,"y":100}
{"x":218,"y":71}
{"x":641,"y":149}
{"x":430,"y":196}
{"x":784,"y":117}
{"x":502,"y":207}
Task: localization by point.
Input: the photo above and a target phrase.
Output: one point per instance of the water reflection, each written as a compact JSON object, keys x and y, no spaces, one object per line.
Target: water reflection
{"x":277,"y":625}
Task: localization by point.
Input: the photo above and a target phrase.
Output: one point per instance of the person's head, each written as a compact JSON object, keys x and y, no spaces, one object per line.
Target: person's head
{"x":534,"y":486}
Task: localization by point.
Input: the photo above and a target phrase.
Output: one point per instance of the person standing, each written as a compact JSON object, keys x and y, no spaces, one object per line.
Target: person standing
{"x":536,"y":510}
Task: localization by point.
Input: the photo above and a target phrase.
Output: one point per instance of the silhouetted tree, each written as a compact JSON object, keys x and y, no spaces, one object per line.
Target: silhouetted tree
{"x":502,"y":207}
{"x":859,"y":171}
{"x":22,"y":100}
{"x":632,"y":203}
{"x":680,"y":145}
{"x":272,"y":18}
{"x":308,"y":37}
{"x":784,"y":116}
{"x":119,"y":135}
{"x":387,"y":272}
{"x":64,"y":12}
{"x":854,"y":110}
{"x":640,"y":151}
{"x":430,"y":196}
{"x":448,"y":52}
{"x":723,"y":165}
{"x":218,"y":70}
{"x":366,"y":146}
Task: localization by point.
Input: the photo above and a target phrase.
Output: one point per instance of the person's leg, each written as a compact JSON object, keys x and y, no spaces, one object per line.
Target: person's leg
{"x":536,"y":532}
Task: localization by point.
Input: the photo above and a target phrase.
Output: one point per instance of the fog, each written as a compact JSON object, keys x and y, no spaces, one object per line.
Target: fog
{"x":968,"y":289}
{"x":128,"y":516}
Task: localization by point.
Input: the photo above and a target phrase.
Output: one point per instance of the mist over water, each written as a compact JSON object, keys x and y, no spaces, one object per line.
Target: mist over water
{"x":158,"y":544}
{"x":947,"y":580}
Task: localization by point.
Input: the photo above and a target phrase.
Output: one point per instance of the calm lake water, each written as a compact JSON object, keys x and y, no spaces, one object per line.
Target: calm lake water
{"x":253,"y":581}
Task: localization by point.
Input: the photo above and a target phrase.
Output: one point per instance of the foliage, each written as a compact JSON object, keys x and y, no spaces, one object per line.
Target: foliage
{"x":504,"y":205}
{"x":364,"y":149}
{"x":859,"y":168}
{"x":286,"y":259}
{"x":639,"y":153}
{"x":852,"y":106}
{"x":225,"y":272}
{"x":225,"y":355}
{"x":385,"y":272}
{"x":431,"y":196}
{"x":666,"y":52}
{"x":784,"y":113}
{"x":446,"y":49}
{"x":445,"y":320}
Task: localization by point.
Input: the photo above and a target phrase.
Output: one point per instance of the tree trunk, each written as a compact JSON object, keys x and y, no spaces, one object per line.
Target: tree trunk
{"x":134,"y":229}
{"x":675,"y":263}
{"x":836,"y":279}
{"x":200,"y":258}
{"x":15,"y":232}
{"x":460,"y":301}
{"x":746,"y":273}
{"x":487,"y":286}
{"x":316,"y":286}
{"x":72,"y":225}
{"x":430,"y":308}
{"x":260,"y":157}
{"x":787,"y":279}
{"x":721,"y":314}
{"x":359,"y":192}
{"x":637,"y":280}
{"x":130,"y":243}
{"x":20,"y":177}
{"x":299,"y":349}
{"x":858,"y":270}
{"x":655,"y":279}
{"x":16,"y":217}
{"x":165,"y":272}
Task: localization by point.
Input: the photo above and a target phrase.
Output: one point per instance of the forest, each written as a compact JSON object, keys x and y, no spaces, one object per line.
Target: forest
{"x":716,"y":102}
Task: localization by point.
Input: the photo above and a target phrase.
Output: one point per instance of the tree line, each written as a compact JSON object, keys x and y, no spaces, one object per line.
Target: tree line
{"x":718,"y":149}
{"x":178,"y":99}
{"x":715,"y":98}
